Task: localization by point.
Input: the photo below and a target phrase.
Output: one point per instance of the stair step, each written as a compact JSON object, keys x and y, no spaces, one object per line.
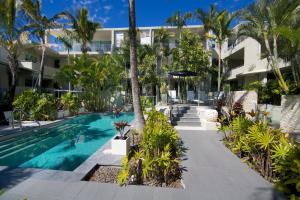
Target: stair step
{"x":192,"y":112}
{"x":186,"y":115}
{"x":20,"y":144}
{"x":189,"y":120}
{"x":194,"y":124}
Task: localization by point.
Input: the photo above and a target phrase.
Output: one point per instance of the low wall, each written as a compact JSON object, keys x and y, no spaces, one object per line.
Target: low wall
{"x":290,"y":113}
{"x":247,"y":98}
{"x":275,"y":113}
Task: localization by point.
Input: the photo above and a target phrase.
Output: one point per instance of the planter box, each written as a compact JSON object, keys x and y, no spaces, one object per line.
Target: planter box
{"x":164,"y":99}
{"x":63,"y":114}
{"x":290,"y":113}
{"x":81,"y":110}
{"x":120,"y":146}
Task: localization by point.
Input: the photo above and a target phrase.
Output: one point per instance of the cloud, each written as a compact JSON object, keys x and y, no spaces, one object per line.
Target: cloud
{"x":104,"y":20}
{"x":107,"y":8}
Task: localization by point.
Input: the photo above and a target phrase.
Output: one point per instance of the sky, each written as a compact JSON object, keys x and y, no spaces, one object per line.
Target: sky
{"x":114,"y":13}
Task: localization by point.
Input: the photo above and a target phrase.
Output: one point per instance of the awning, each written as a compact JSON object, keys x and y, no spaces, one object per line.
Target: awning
{"x":183,"y":73}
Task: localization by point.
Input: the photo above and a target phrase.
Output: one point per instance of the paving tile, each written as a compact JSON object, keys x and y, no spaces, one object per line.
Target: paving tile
{"x":93,"y":190}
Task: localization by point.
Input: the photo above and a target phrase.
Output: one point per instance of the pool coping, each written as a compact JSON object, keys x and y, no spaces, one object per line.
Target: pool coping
{"x":101,"y":156}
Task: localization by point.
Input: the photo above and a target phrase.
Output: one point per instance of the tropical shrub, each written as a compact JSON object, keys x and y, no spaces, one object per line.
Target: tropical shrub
{"x":98,"y":78}
{"x":26,"y":101}
{"x":146,"y":102}
{"x":35,"y":106}
{"x":45,"y":108}
{"x":158,"y":157}
{"x":269,"y":151}
{"x":267,"y":94}
{"x":70,"y":102}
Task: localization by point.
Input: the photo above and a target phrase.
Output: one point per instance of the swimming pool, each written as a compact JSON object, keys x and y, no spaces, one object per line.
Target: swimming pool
{"x":61,"y":147}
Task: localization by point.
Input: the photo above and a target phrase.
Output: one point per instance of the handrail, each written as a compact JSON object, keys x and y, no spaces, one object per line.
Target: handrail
{"x":20,"y":120}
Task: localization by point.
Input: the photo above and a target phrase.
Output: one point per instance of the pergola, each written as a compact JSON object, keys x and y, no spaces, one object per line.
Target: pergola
{"x":182,"y":74}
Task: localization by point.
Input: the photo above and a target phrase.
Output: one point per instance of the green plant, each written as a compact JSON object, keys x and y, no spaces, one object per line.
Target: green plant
{"x":36,"y":106}
{"x":270,"y":151}
{"x":45,"y":108}
{"x":123,"y":175}
{"x":25,"y":102}
{"x":163,"y":88}
{"x":70,"y":102}
{"x":146,"y":102}
{"x":159,"y":153}
{"x":288,"y":168}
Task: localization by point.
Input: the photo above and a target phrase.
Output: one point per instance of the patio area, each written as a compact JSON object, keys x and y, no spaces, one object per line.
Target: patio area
{"x":212,"y":172}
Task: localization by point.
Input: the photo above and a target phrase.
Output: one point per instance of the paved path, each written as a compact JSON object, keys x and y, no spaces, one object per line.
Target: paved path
{"x":213,"y":172}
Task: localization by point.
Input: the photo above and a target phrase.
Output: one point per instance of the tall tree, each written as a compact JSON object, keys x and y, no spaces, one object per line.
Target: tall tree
{"x":84,"y":29}
{"x":261,"y":21}
{"x":161,"y":40}
{"x":67,"y":41}
{"x":38,"y":25}
{"x":290,"y":49}
{"x":179,"y":20}
{"x":10,"y":40}
{"x":207,"y":19}
{"x":222,"y":30}
{"x":139,"y":118}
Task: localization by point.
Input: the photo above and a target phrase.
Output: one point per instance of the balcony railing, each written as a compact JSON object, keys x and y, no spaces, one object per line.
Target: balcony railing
{"x":93,"y":47}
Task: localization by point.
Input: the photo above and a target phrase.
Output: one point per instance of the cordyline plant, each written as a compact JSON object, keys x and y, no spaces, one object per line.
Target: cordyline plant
{"x":120,"y":126}
{"x":116,"y":111}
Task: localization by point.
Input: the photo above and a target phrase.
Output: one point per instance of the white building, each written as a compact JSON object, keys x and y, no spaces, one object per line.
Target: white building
{"x":245,"y":62}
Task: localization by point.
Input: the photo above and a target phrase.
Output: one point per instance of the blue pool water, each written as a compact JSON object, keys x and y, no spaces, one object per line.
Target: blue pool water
{"x":61,"y":147}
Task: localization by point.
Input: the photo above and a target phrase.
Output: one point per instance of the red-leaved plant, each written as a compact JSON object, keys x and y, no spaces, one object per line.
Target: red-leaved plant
{"x":120,"y":126}
{"x":116,"y":111}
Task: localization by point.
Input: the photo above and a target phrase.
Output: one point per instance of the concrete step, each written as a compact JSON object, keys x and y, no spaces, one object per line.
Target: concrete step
{"x":193,"y":124}
{"x":192,"y":111}
{"x":189,"y":120}
{"x":190,"y":115}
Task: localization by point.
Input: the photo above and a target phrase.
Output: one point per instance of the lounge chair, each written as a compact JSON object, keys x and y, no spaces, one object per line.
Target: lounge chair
{"x":173,"y":96}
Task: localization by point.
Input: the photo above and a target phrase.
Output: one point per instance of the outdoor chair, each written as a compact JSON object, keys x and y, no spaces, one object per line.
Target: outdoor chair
{"x":173,"y":96}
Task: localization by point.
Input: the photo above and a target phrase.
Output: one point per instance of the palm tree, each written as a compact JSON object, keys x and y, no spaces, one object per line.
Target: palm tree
{"x":222,"y":30}
{"x":290,"y":49}
{"x":207,"y":19}
{"x":161,"y":39}
{"x":179,"y":20}
{"x":10,"y":35}
{"x":67,"y":41}
{"x":39,"y":24}
{"x":262,"y":19}
{"x":139,"y":118}
{"x":84,"y":29}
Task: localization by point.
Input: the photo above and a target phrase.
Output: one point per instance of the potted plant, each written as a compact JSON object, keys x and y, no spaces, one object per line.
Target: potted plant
{"x":120,"y":144}
{"x":116,"y":112}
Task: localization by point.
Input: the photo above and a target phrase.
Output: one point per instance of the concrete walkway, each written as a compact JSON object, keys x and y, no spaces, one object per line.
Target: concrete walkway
{"x":212,"y":172}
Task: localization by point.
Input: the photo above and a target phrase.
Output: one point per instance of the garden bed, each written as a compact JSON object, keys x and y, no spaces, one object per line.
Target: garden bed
{"x":103,"y":174}
{"x":109,"y":174}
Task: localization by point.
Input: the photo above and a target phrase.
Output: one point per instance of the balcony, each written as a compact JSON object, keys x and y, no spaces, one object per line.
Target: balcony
{"x":49,"y":72}
{"x":94,"y":47}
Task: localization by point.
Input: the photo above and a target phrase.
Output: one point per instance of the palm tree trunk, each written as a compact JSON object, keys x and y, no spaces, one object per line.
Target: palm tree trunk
{"x":69,"y":64}
{"x":13,"y":66}
{"x":42,"y":67}
{"x":274,"y":62}
{"x":219,"y":67}
{"x":139,"y":118}
{"x":158,"y":66}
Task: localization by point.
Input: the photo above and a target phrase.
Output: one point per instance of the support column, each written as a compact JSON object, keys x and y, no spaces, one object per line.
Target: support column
{"x":112,"y":40}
